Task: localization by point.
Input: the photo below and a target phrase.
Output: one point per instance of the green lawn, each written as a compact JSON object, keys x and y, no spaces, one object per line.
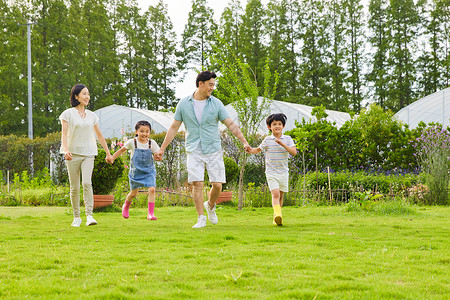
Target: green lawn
{"x":320,"y":253}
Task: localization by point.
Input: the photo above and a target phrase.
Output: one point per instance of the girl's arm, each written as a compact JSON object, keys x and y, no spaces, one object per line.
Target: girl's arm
{"x":65,"y":126}
{"x":102,"y":141}
{"x":118,"y":153}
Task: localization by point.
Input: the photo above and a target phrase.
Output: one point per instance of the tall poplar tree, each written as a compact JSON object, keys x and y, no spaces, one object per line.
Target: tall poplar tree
{"x":403,"y":21}
{"x":13,"y":70}
{"x":163,"y":63}
{"x":199,"y":35}
{"x":379,"y":40}
{"x":338,"y":99}
{"x":315,"y":43}
{"x":253,"y":50}
{"x":354,"y":32}
{"x":278,"y":49}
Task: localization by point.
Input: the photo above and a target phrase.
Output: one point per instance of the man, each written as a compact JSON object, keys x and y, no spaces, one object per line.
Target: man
{"x":201,"y":114}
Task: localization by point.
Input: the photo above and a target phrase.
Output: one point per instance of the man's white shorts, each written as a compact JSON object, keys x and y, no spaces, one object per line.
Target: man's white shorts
{"x":197,"y":161}
{"x":278,"y":181}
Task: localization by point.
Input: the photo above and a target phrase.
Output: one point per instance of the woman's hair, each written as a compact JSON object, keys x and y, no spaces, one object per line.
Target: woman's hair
{"x":142,"y":123}
{"x":204,"y":76}
{"x":77,"y":88}
{"x":276,"y":117}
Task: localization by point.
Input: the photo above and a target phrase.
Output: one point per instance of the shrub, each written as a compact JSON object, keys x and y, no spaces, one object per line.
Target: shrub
{"x":433,"y":151}
{"x":231,"y":171}
{"x":105,"y":175}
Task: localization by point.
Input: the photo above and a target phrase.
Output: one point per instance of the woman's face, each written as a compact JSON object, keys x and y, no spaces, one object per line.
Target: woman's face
{"x":83,"y":97}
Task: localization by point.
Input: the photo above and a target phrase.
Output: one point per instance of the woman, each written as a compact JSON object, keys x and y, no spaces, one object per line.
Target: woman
{"x":79,"y":146}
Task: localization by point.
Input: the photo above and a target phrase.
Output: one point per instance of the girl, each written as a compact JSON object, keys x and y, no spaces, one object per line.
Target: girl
{"x":78,"y":144}
{"x":142,"y":167}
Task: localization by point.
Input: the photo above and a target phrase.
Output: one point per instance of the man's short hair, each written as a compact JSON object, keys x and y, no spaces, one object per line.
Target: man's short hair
{"x":204,"y":76}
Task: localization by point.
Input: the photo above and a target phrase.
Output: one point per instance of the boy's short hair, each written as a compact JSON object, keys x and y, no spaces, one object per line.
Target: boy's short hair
{"x":276,"y":117}
{"x":204,"y":76}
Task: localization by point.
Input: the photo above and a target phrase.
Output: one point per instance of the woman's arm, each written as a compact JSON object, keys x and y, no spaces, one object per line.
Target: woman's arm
{"x":102,"y":141}
{"x":65,"y":126}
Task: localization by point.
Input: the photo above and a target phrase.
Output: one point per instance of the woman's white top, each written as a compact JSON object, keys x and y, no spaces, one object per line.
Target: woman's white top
{"x":130,"y":146}
{"x":80,"y":133}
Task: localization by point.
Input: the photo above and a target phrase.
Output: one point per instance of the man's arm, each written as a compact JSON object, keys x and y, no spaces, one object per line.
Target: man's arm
{"x":232,"y":126}
{"x":168,"y":139}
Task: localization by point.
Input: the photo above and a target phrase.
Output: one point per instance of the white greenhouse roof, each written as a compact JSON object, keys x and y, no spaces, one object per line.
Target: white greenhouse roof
{"x":432,"y":108}
{"x":294,"y":112}
{"x":113,"y":118}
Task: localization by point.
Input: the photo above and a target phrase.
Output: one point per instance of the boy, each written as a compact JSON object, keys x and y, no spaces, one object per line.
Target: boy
{"x":277,"y":148}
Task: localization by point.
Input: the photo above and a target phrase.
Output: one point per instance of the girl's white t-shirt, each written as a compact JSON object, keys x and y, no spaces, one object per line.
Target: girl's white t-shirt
{"x":81,"y":138}
{"x":130,"y":146}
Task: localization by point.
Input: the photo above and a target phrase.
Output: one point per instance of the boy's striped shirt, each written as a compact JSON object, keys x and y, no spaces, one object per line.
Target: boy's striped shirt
{"x":276,"y":155}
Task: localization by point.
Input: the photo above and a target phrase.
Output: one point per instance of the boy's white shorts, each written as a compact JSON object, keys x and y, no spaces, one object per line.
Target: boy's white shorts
{"x":278,"y":181}
{"x":197,"y":161}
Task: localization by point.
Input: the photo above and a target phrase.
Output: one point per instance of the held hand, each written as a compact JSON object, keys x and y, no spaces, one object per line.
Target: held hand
{"x":158,"y":155}
{"x":247,"y":148}
{"x":278,"y":141}
{"x":109,"y":159}
{"x":67,"y":155}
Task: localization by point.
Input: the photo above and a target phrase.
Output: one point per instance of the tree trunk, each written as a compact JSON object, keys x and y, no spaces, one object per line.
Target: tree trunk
{"x":241,"y":182}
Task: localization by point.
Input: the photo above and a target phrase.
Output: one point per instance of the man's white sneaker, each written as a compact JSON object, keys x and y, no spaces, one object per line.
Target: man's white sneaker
{"x":201,"y":222}
{"x":76,"y":222}
{"x":90,"y":221}
{"x":211,"y":213}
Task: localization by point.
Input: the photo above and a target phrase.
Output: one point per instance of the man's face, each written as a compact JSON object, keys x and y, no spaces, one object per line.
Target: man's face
{"x":207,"y":87}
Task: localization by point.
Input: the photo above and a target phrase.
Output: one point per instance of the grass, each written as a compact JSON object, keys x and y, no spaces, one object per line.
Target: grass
{"x":320,"y":253}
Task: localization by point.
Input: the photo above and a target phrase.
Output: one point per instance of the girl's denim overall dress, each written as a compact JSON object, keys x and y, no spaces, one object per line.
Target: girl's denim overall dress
{"x":142,"y":168}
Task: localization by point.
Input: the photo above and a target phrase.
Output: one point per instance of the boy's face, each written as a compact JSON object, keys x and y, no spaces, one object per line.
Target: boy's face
{"x":276,"y":127}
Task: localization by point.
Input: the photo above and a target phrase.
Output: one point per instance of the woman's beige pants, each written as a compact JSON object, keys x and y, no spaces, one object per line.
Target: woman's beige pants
{"x":85,"y":164}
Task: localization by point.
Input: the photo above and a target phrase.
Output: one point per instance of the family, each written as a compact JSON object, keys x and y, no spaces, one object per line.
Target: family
{"x":200,"y":113}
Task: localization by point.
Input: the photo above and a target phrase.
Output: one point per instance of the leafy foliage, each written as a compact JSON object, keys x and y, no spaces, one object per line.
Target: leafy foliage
{"x":105,"y":175}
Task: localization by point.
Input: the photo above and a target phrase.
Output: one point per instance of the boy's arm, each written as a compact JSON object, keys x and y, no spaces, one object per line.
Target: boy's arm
{"x":118,"y":153}
{"x":292,"y":150}
{"x":253,"y":150}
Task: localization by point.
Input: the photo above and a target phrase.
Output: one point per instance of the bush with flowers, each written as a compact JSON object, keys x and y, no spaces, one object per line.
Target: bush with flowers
{"x":433,"y":153}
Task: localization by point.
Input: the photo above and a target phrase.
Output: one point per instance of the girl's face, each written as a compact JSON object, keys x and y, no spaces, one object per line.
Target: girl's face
{"x":83,"y":97}
{"x":143,"y":133}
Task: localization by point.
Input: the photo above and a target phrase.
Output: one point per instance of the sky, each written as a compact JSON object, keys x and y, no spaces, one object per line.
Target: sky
{"x":178,"y":13}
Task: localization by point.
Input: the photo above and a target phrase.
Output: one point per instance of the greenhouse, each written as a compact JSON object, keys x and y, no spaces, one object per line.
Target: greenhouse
{"x":115,"y":118}
{"x":294,"y":112}
{"x":432,"y":108}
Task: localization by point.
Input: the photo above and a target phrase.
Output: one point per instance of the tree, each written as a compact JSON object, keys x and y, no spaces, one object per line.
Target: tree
{"x":314,"y":44}
{"x":253,"y":50}
{"x":403,"y":21}
{"x":163,"y":68}
{"x":354,"y":33}
{"x":379,"y":40}
{"x":198,"y":35}
{"x":338,"y":99}
{"x":13,"y":70}
{"x":278,"y":49}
